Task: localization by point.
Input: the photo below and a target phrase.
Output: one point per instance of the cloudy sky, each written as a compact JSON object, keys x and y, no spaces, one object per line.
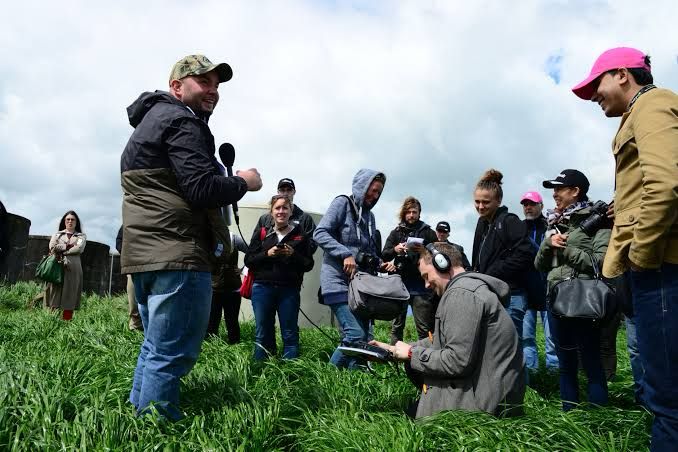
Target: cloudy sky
{"x":430,"y":92}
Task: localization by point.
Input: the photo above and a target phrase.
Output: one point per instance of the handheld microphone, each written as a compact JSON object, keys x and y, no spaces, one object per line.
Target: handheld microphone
{"x":227,"y":154}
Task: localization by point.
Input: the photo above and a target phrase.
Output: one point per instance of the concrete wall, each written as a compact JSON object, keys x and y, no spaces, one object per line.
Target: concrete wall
{"x":319,"y":314}
{"x":12,"y":265}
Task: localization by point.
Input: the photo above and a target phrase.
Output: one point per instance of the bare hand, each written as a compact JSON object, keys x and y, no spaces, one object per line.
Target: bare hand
{"x":400,"y":248}
{"x":252,"y":178}
{"x":610,"y":211}
{"x":402,"y":350}
{"x":349,"y":266}
{"x":385,"y":346}
{"x":275,"y":251}
{"x":559,"y":240}
{"x":389,"y":267}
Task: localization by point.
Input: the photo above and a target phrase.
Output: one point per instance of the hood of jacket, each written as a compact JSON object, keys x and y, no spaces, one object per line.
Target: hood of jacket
{"x":361,"y":182}
{"x":147,"y":100}
{"x":499,"y":287}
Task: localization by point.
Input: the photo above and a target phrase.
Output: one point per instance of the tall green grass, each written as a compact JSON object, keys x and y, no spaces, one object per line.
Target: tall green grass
{"x":64,"y":386}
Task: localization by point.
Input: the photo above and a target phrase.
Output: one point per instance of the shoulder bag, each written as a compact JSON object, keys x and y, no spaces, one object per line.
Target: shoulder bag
{"x":576,"y":298}
{"x":50,"y":269}
{"x":377,"y":297}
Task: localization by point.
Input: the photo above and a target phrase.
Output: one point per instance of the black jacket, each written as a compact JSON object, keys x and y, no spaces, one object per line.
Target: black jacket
{"x":464,"y":260}
{"x":501,"y":248}
{"x":407,"y":264}
{"x":283,"y":271}
{"x":535,"y":280}
{"x":298,"y":217}
{"x":170,"y":177}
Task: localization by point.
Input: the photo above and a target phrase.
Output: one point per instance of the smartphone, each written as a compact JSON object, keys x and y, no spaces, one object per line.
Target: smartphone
{"x":280,"y":245}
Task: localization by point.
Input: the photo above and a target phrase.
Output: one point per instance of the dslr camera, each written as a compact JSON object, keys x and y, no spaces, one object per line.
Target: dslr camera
{"x":367,"y":262}
{"x":597,"y":219}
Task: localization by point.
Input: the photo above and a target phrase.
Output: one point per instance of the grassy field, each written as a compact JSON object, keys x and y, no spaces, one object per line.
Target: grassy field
{"x":64,"y":386}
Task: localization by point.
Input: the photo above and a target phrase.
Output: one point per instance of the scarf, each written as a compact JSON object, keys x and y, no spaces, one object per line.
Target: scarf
{"x":554,"y":216}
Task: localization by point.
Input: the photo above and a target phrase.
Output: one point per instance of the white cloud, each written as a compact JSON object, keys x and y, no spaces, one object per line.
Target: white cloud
{"x":431,"y":93}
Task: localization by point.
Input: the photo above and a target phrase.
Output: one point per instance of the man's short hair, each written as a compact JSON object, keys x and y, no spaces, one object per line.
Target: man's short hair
{"x":408,"y":204}
{"x":451,"y":251}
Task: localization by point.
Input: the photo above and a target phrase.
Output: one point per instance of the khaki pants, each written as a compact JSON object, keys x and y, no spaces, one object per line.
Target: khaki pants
{"x":132,"y":307}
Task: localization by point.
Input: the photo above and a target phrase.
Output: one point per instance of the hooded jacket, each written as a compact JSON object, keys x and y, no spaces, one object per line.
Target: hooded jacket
{"x":340,"y":236}
{"x":169,"y":179}
{"x":501,"y":248}
{"x":475,"y":361}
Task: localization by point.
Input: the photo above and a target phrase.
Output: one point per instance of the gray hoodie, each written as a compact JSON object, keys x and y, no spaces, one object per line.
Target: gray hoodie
{"x":339,"y":236}
{"x":475,"y":362}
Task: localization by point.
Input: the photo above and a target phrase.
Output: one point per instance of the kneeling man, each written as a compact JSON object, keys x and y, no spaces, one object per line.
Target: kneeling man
{"x":474,"y":360}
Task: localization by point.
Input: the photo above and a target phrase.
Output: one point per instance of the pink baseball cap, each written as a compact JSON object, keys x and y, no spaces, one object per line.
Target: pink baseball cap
{"x":532,"y":196}
{"x":608,"y":60}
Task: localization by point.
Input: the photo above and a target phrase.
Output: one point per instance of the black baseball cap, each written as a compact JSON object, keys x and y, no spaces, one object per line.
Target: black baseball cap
{"x":569,"y":178}
{"x":286,"y":182}
{"x":443,"y":226}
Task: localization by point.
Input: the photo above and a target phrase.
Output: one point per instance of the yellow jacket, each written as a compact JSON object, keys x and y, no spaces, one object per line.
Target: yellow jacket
{"x":646,"y":188}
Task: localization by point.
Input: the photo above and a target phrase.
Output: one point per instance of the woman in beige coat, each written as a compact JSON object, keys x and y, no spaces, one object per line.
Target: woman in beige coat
{"x":68,"y":244}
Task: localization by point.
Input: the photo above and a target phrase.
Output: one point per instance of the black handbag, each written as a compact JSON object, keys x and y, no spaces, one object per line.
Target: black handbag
{"x":576,"y":298}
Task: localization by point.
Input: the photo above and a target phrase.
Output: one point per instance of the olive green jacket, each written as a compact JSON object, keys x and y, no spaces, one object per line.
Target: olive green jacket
{"x":575,"y":256}
{"x":646,"y":189}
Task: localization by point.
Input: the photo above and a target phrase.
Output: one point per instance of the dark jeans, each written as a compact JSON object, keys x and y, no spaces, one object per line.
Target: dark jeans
{"x":655,"y":308}
{"x":608,"y":345}
{"x":424,"y":313}
{"x":570,"y":336}
{"x":229,"y":303}
{"x":266,"y":301}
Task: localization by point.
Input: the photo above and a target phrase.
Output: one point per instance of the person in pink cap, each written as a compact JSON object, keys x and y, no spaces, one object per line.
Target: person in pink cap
{"x":535,"y":222}
{"x":644,"y":241}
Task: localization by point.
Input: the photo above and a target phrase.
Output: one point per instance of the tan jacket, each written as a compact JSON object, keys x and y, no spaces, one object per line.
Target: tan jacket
{"x":646,"y":189}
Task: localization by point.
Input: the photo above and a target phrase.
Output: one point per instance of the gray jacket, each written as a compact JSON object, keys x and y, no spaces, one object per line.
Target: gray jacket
{"x":475,"y":362}
{"x":337,"y":234}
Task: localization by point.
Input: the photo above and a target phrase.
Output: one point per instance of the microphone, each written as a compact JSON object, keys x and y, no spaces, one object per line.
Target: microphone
{"x":227,"y":154}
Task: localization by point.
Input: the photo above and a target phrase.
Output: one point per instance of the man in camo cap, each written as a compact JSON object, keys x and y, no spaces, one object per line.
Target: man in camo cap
{"x":171,"y":180}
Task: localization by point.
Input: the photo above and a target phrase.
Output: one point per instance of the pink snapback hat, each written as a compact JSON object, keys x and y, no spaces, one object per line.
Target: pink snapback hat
{"x":608,"y":60}
{"x":532,"y":196}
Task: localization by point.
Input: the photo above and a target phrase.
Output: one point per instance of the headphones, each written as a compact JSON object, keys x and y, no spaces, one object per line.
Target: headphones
{"x":440,"y":261}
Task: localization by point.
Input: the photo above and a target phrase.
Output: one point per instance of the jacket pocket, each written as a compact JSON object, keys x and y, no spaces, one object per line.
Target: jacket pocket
{"x":623,"y":137}
{"x":627,"y":217}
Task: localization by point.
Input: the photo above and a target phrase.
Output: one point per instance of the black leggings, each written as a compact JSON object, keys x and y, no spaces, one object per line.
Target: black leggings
{"x":229,"y":302}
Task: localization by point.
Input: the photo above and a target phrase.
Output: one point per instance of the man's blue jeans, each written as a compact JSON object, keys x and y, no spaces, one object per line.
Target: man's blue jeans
{"x":267,"y":299}
{"x":174,"y":307}
{"x":634,"y":357}
{"x":655,"y":313}
{"x":352,"y":329}
{"x":516,"y":310}
{"x":570,"y":336}
{"x":530,"y":341}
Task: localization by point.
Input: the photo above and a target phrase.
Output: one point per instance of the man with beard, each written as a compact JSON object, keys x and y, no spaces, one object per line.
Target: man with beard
{"x":346,"y":231}
{"x":405,"y":260}
{"x":473,"y":361}
{"x":170,"y":180}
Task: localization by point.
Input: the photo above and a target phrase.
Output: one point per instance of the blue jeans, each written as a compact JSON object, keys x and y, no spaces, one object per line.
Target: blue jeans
{"x":570,"y":335}
{"x":516,"y":310}
{"x":634,"y":357}
{"x":174,"y":307}
{"x":655,"y":308}
{"x":352,"y":329}
{"x":530,"y":341}
{"x":267,"y":299}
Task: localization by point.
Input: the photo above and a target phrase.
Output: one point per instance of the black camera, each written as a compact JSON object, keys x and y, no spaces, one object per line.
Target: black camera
{"x":597,"y":219}
{"x":367,"y":262}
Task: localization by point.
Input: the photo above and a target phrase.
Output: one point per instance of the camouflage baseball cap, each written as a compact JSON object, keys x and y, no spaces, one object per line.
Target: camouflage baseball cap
{"x":197,"y":65}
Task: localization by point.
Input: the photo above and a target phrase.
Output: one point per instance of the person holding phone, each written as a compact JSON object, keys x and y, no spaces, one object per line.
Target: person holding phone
{"x":278,"y":262}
